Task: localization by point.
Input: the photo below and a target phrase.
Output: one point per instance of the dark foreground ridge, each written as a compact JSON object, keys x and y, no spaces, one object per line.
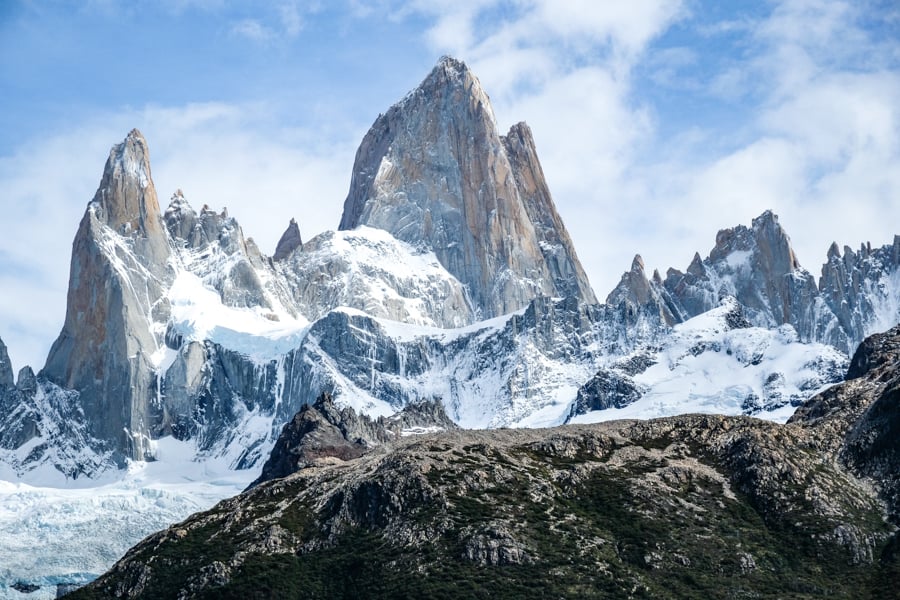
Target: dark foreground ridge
{"x":696,"y":506}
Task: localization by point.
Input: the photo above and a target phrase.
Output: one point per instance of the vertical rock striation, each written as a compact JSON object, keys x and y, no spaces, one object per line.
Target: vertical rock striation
{"x":118,"y":274}
{"x":435,"y":173}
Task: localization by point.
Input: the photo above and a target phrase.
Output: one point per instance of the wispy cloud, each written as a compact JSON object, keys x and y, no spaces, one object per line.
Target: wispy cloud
{"x":252,"y":30}
{"x":277,"y":21}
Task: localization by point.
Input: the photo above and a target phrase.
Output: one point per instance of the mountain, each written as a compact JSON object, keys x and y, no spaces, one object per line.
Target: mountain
{"x":676,"y":507}
{"x":179,"y":325}
{"x":435,"y":172}
{"x":449,"y":297}
{"x":118,"y":271}
{"x":855,"y":296}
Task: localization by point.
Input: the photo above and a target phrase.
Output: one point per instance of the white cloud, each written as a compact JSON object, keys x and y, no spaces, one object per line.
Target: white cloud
{"x":253,"y":30}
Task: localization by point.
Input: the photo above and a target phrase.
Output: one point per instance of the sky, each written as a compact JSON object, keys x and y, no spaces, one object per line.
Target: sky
{"x":657,"y":122}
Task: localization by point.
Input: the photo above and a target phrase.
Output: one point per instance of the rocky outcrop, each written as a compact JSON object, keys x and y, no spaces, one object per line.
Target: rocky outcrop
{"x":862,"y":416}
{"x":532,"y":513}
{"x":606,"y":389}
{"x":434,"y":172}
{"x":289,"y":241}
{"x":323,"y":431}
{"x":6,"y":371}
{"x":862,"y":288}
{"x":858,"y":293}
{"x":645,"y":303}
{"x":118,"y":275}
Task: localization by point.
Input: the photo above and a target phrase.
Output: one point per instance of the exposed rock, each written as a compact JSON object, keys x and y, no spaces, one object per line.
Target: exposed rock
{"x":27,"y":383}
{"x":25,"y":588}
{"x":323,"y":430}
{"x":6,"y":371}
{"x":643,"y":303}
{"x":118,"y":273}
{"x":606,"y":389}
{"x":568,"y":275}
{"x":434,"y":172}
{"x":290,"y":241}
{"x":878,"y":352}
{"x":861,"y":288}
{"x":66,"y":588}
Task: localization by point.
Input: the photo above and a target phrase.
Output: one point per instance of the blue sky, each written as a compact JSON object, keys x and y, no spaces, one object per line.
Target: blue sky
{"x":658,"y":122}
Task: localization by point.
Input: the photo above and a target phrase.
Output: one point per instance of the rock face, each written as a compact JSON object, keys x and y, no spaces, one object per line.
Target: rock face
{"x":290,"y":241}
{"x":861,"y":288}
{"x":856,"y":295}
{"x":608,"y":510}
{"x":645,"y":304}
{"x":118,"y":274}
{"x":606,"y":389}
{"x":434,"y":172}
{"x":6,"y":371}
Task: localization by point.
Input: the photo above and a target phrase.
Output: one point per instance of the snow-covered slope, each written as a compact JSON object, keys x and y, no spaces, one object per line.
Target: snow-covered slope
{"x":370,"y":270}
{"x":714,"y":363}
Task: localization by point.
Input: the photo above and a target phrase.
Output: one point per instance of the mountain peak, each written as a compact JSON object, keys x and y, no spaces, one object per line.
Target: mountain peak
{"x":451,"y":73}
{"x":479,"y":202}
{"x":290,"y":241}
{"x":126,"y":199}
{"x":637,"y":264}
{"x":135,"y":134}
{"x":834,"y":251}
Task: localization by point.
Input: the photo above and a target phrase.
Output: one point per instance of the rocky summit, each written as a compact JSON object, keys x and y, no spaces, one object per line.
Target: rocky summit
{"x":435,"y":172}
{"x":756,"y":265}
{"x":690,"y":506}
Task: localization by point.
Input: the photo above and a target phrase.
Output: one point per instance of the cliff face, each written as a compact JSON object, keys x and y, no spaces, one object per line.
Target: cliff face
{"x":118,"y":274}
{"x":435,"y":172}
{"x":6,"y":372}
{"x":697,"y":504}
